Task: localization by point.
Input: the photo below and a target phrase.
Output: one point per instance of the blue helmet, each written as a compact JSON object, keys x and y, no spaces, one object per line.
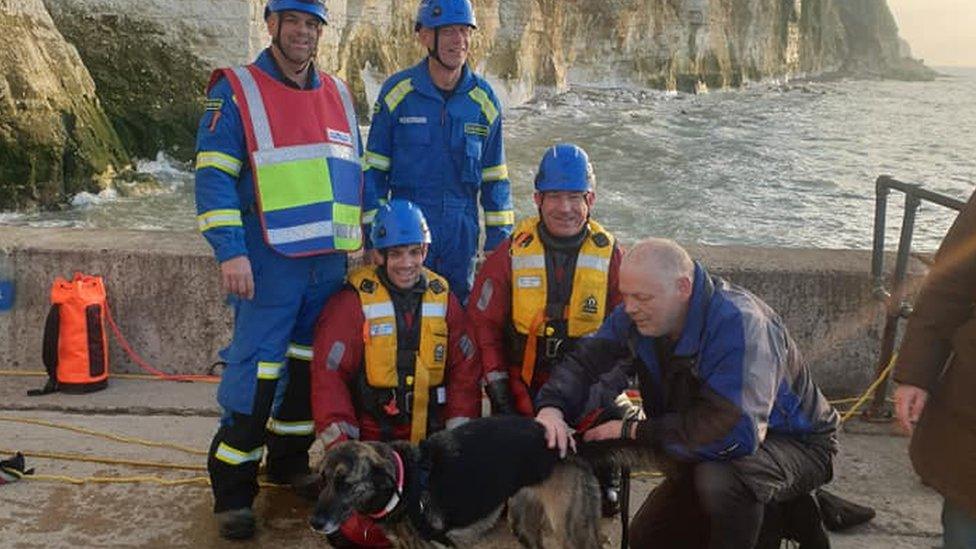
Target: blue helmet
{"x":438,"y":13}
{"x":565,"y":167}
{"x":314,"y":7}
{"x":399,"y":223}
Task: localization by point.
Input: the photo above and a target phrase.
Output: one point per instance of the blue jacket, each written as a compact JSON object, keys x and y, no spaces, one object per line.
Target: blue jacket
{"x":440,"y":153}
{"x":224,"y":181}
{"x":733,"y":377}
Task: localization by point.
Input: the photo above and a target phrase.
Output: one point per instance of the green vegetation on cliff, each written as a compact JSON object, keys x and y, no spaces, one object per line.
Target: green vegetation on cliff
{"x":55,"y":140}
{"x":151,"y":89}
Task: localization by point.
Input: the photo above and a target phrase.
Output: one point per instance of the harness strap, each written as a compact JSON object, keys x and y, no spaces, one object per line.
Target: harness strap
{"x":528,"y":357}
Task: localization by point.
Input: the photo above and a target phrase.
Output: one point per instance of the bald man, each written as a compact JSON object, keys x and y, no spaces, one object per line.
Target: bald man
{"x":729,"y":404}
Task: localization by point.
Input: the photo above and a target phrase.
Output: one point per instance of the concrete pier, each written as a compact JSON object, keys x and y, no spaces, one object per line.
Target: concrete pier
{"x":164,"y":293}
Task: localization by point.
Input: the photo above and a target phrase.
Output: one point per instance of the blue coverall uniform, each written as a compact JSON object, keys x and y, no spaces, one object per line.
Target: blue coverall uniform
{"x":439,"y":153}
{"x":277,"y":324}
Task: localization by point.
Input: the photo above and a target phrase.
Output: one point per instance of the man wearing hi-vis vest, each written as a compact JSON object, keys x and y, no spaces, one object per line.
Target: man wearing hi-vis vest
{"x":436,"y":140}
{"x":393,"y":359}
{"x":552,"y":282}
{"x":280,"y":198}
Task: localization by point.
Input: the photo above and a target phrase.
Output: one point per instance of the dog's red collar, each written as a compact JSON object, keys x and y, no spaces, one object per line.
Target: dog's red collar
{"x":395,"y":498}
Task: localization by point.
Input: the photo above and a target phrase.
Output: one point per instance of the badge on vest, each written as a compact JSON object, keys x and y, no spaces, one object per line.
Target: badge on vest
{"x":367,"y":286}
{"x":384,"y":329}
{"x":590,"y":305}
{"x":476,"y":129}
{"x":339,"y":137}
{"x":413,"y":120}
{"x":439,"y":352}
{"x":529,"y":282}
{"x":436,"y":287}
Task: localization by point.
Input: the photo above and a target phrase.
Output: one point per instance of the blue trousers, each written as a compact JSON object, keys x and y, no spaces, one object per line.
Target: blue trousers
{"x":264,"y":389}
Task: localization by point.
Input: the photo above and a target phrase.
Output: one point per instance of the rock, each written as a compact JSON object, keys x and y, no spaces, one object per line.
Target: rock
{"x":55,"y":140}
{"x":149,"y":80}
{"x":149,"y":60}
{"x":523,"y":45}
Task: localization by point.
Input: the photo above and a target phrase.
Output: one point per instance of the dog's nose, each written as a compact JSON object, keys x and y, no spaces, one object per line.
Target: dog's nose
{"x":323,"y":525}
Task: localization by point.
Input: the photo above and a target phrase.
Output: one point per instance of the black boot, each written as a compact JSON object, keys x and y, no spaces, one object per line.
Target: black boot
{"x":236,"y":524}
{"x":804,"y":523}
{"x":840,"y":514}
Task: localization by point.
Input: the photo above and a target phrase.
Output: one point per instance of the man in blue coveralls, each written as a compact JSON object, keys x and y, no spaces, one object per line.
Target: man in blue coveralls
{"x":280,"y":198}
{"x":436,"y":140}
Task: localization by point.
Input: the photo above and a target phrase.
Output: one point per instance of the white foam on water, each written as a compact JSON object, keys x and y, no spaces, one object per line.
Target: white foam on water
{"x":86,"y":199}
{"x":168,"y":171}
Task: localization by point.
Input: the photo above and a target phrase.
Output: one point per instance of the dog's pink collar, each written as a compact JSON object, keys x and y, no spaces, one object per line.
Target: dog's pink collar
{"x":395,"y":498}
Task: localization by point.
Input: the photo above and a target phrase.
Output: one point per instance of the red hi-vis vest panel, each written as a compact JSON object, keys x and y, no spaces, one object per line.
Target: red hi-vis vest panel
{"x":305,"y":157}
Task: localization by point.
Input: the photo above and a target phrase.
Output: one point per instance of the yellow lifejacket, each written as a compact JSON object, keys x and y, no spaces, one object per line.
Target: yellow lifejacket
{"x":380,"y":338}
{"x":588,"y":301}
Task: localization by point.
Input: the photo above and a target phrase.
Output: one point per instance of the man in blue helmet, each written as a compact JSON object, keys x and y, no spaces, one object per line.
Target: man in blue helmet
{"x":394,"y":359}
{"x":436,"y":139}
{"x":552,"y":283}
{"x":280,"y":199}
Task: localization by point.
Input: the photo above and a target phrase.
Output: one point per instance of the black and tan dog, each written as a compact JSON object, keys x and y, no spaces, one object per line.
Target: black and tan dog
{"x":451,"y":488}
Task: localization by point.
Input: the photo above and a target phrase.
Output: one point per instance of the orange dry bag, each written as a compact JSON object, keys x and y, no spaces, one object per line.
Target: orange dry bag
{"x":75,"y":344}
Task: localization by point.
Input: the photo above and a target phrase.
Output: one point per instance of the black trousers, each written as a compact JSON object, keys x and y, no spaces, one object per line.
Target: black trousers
{"x":720,"y":504}
{"x":235,"y":484}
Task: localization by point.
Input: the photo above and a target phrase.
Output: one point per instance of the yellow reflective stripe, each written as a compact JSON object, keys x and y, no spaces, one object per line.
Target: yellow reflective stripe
{"x":378,"y":310}
{"x":279,"y":427}
{"x":395,"y":95}
{"x":369,"y":216}
{"x":269,"y":370}
{"x":523,"y":262}
{"x":223,"y":162}
{"x":588,"y":261}
{"x":433,"y":309}
{"x":480,"y":97}
{"x":303,"y":352}
{"x":504,"y":217}
{"x":495,"y":173}
{"x":233,"y":456}
{"x":378,"y":161}
{"x":219,"y":218}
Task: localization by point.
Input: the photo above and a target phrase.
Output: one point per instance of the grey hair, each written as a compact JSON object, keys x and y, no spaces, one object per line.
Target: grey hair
{"x":665,"y":256}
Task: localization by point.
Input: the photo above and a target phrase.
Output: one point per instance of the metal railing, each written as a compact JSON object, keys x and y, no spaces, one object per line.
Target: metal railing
{"x":896,"y":305}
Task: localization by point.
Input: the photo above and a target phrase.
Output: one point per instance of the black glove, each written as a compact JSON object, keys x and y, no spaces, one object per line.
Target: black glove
{"x":501,"y":397}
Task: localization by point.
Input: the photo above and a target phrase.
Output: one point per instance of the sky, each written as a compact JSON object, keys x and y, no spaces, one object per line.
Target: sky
{"x":942,"y":32}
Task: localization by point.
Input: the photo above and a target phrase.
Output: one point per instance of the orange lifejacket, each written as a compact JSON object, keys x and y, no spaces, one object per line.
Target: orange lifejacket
{"x":75,"y":343}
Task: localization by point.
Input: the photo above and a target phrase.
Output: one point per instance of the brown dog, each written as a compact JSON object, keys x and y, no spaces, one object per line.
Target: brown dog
{"x":451,"y":488}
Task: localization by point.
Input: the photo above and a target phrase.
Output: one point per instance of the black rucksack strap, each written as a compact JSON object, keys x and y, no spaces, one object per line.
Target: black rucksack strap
{"x":49,"y":351}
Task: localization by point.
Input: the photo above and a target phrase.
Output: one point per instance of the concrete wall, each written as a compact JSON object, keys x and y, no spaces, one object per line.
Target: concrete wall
{"x":164,"y":293}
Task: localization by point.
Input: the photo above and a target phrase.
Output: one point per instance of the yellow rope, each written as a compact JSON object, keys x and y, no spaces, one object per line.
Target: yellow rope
{"x":34,"y":373}
{"x":106,"y":460}
{"x":109,"y":436}
{"x":867,"y":394}
{"x":640,"y":474}
{"x":201,"y":481}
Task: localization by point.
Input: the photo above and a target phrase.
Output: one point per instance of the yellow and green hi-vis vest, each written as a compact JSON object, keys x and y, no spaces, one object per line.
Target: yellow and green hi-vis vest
{"x":305,"y":155}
